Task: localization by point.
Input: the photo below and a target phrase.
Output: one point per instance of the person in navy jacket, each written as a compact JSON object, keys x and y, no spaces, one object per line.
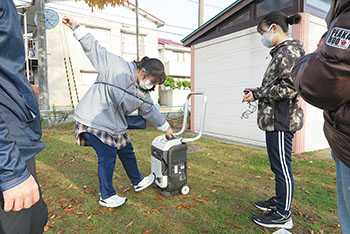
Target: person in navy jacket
{"x":22,"y":209}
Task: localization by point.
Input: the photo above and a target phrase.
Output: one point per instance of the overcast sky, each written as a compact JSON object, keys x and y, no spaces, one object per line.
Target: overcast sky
{"x":181,"y":16}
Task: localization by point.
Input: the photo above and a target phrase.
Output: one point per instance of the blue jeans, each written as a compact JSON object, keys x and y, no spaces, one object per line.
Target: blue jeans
{"x":106,"y":163}
{"x":343,"y":189}
{"x":279,"y":149}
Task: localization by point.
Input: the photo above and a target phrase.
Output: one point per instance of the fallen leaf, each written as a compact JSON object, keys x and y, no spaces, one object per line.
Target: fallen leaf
{"x":212,"y":190}
{"x":125,"y":190}
{"x":193,"y":205}
{"x":205,"y":231}
{"x":111,"y":209}
{"x":97,"y":212}
{"x":236,"y":226}
{"x":71,"y":186}
{"x":159,"y":198}
{"x":77,"y":203}
{"x":89,"y":191}
{"x":148,"y":231}
{"x":62,"y":231}
{"x":198,"y":196}
{"x":136,"y":205}
{"x":183,"y":205}
{"x":69,"y":209}
{"x":89,"y":228}
{"x":155,"y":209}
{"x":199,"y":200}
{"x":129,"y":224}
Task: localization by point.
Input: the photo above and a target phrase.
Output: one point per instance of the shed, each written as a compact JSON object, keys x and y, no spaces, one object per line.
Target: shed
{"x":227,"y":56}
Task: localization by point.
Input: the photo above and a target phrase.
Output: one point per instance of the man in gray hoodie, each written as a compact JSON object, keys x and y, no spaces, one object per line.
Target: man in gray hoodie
{"x":120,"y":88}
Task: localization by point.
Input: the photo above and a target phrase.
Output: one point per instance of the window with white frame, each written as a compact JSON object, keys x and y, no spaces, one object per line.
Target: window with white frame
{"x":129,"y":43}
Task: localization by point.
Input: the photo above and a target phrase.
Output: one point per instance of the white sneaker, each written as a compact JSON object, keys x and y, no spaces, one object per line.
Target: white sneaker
{"x":147,"y":181}
{"x":113,"y":201}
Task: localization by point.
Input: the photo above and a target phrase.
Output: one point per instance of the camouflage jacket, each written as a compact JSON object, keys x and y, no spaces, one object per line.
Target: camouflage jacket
{"x":279,"y":108}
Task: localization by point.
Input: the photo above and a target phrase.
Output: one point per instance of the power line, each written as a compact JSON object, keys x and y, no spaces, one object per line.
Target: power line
{"x":206,"y":4}
{"x":82,"y":14}
{"x":123,"y":17}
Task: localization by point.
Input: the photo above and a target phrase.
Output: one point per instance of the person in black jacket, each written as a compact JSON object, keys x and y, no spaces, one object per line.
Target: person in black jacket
{"x":22,"y":209}
{"x":322,"y":78}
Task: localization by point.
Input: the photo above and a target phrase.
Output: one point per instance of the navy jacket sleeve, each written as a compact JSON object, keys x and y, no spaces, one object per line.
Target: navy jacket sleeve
{"x":16,"y":88}
{"x":12,"y":169}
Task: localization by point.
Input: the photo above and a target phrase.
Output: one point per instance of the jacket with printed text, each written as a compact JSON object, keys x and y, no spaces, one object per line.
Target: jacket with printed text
{"x":278,"y":104}
{"x":323,"y":79}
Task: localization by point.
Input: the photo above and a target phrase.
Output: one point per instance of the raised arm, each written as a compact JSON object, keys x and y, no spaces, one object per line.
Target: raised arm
{"x":97,"y":54}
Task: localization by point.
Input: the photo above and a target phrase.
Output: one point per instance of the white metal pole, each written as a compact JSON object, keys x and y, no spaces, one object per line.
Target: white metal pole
{"x":26,"y":43}
{"x":137,"y":31}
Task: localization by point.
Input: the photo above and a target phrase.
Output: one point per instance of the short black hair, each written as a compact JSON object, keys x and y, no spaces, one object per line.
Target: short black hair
{"x":153,"y":67}
{"x":279,"y":18}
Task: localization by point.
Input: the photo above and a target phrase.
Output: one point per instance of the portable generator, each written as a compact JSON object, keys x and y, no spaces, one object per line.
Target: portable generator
{"x":169,"y":156}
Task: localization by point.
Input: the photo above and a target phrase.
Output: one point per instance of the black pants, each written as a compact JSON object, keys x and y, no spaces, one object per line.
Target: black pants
{"x":26,"y":221}
{"x":279,"y":149}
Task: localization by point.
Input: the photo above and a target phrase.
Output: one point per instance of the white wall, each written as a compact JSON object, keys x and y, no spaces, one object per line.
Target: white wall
{"x":60,"y":39}
{"x":314,"y":136}
{"x":223,"y":68}
{"x":176,"y":64}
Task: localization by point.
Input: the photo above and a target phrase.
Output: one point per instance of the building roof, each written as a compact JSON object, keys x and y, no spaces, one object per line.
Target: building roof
{"x":221,"y":16}
{"x":242,"y":14}
{"x":163,"y":41}
{"x":146,"y":14}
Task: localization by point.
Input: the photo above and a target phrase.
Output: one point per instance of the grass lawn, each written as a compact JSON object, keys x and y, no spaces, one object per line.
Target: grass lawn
{"x":225,"y":181}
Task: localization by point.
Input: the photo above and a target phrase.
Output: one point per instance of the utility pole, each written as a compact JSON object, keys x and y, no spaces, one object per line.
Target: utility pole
{"x":200,"y":12}
{"x":137,"y":31}
{"x":42,"y":58}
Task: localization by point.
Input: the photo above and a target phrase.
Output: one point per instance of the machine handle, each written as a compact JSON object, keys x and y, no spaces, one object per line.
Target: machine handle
{"x":184,"y":125}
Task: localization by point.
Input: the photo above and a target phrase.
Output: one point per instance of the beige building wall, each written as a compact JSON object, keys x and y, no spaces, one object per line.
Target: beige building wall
{"x":108,"y":27}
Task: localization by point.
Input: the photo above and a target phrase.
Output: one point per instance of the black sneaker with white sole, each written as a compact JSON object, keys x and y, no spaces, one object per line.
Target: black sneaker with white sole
{"x":274,"y":220}
{"x":268,"y":205}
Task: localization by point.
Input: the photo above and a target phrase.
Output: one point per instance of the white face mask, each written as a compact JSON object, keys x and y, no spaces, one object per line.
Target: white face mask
{"x":146,"y":85}
{"x":266,"y":40}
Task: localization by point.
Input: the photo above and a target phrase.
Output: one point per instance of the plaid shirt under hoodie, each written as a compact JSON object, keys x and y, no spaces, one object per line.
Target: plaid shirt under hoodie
{"x":115,"y":141}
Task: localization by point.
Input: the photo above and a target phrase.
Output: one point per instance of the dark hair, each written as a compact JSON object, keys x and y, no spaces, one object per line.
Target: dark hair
{"x":154,"y":67}
{"x":279,"y":18}
{"x":324,"y":35}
